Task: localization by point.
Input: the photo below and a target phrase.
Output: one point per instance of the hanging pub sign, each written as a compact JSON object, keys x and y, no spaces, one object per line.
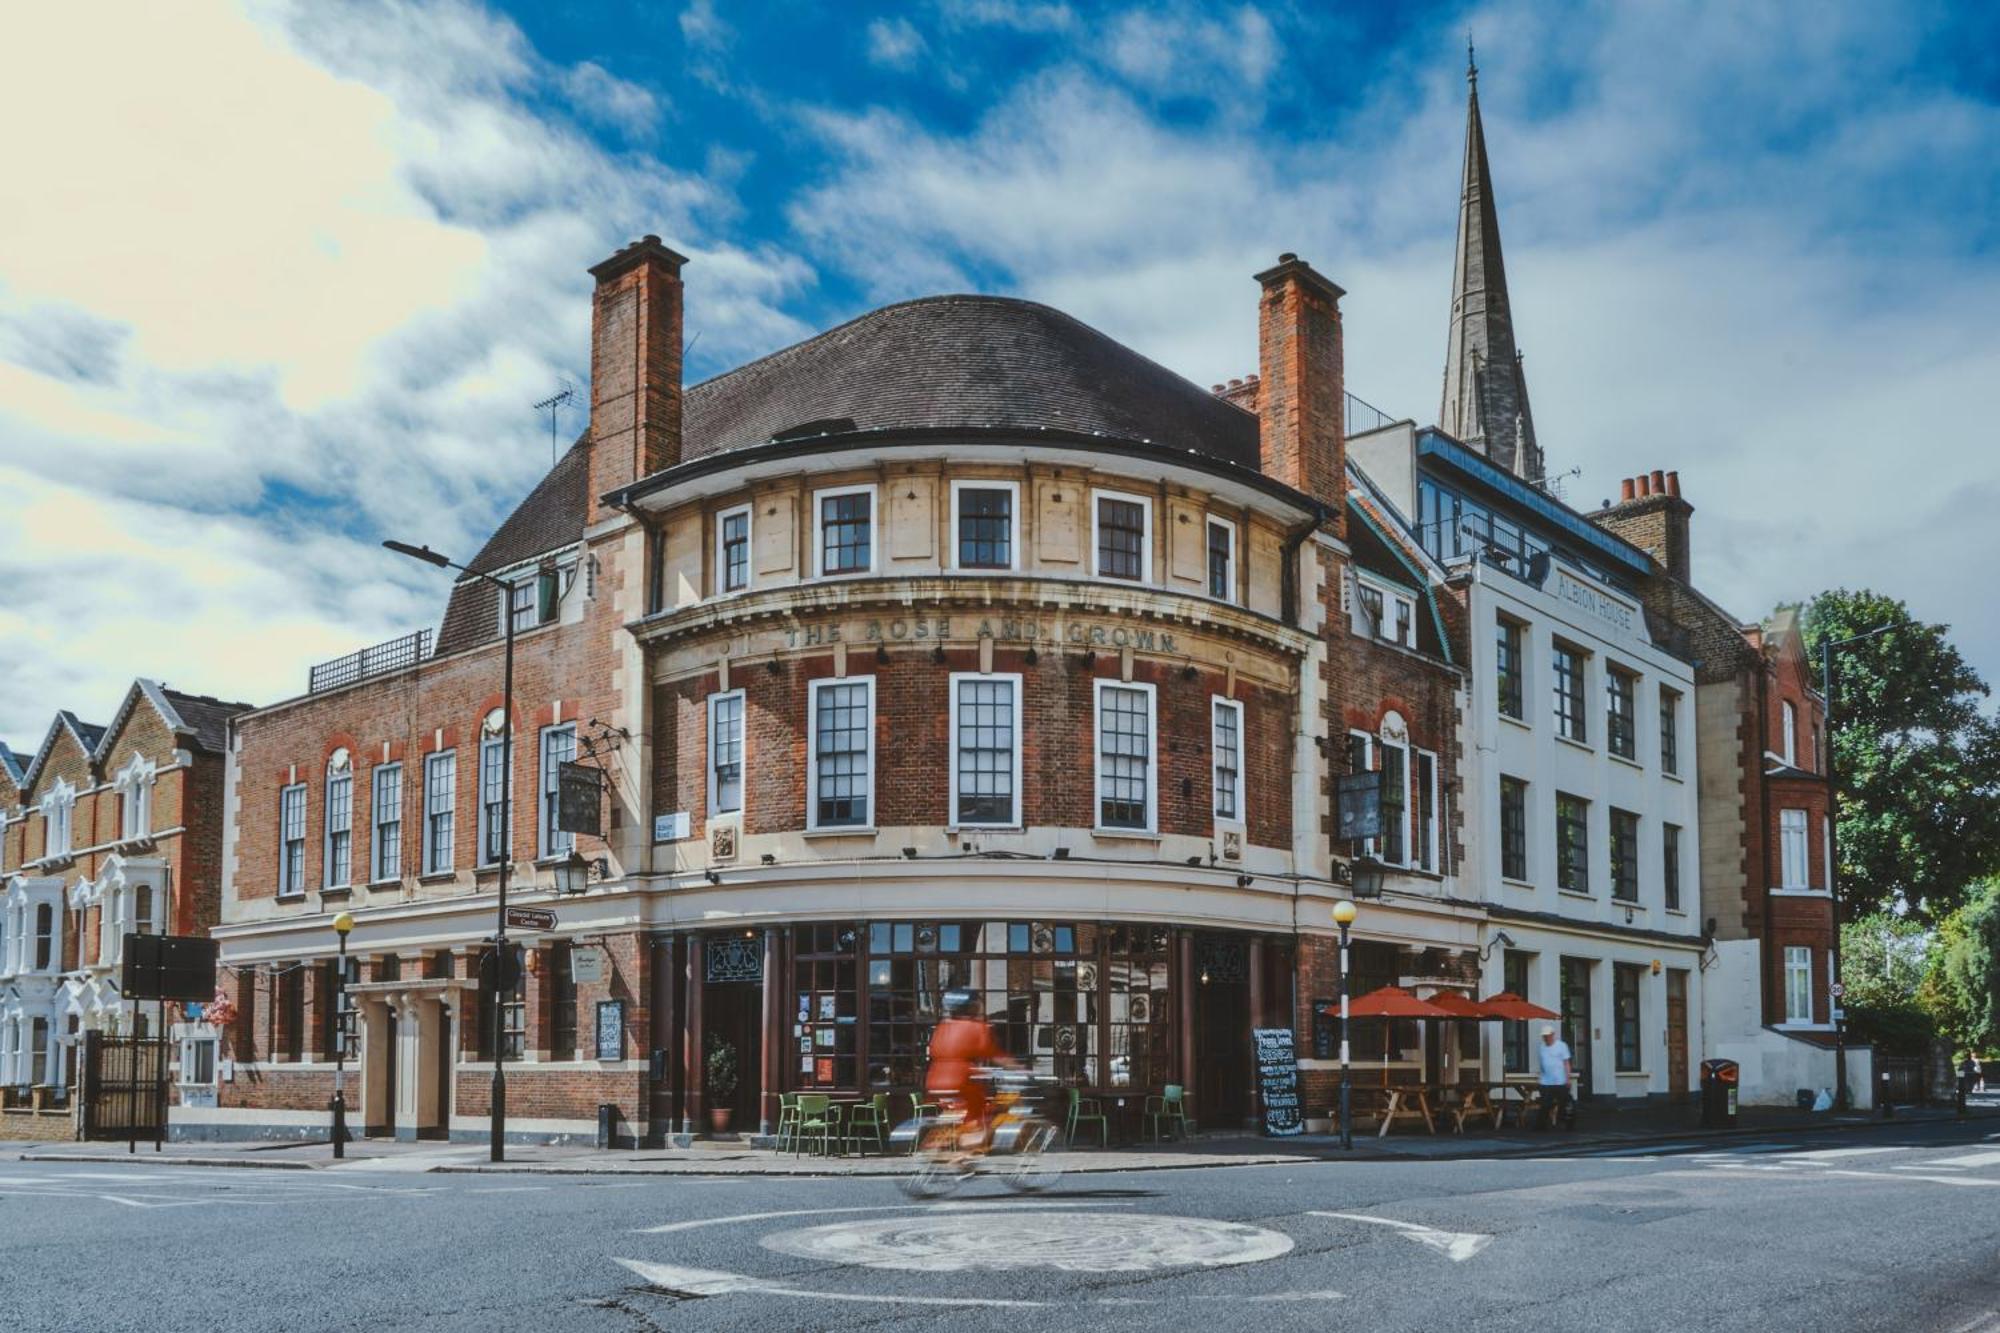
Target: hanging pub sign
{"x":1360,"y":814}
{"x":579,"y":799}
{"x":1278,"y":1081}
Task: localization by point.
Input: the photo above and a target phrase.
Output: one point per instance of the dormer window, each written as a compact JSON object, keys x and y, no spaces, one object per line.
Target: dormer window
{"x":534,"y":597}
{"x":1388,"y":613}
{"x":135,"y":801}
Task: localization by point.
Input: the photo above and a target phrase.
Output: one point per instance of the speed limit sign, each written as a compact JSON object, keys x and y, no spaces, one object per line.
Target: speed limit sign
{"x":1838,"y":990}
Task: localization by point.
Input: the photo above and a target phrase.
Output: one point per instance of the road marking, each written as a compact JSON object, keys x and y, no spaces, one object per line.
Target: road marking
{"x":1458,"y":1246}
{"x":1969,"y":1160}
{"x":1936,"y":1180}
{"x":1655,"y":1150}
{"x":1008,"y":1239}
{"x":1833,"y":1154}
{"x":704,"y":1282}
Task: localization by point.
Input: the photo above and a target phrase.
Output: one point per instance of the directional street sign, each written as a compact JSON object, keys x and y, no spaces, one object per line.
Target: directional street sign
{"x":531,"y":918}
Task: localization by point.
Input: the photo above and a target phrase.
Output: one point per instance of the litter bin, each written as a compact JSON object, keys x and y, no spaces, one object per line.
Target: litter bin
{"x":1718,"y":1094}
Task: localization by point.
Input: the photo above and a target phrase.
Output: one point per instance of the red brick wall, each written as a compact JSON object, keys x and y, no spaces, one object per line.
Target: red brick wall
{"x":912,"y":741}
{"x":407,"y":711}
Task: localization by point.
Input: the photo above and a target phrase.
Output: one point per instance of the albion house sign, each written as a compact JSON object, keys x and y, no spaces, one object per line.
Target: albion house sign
{"x":1012,"y":629}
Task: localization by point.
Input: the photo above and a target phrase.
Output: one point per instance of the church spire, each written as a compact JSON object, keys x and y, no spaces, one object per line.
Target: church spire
{"x":1485,"y":393}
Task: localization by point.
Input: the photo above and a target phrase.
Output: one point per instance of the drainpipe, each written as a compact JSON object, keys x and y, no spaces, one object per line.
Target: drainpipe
{"x":1295,"y":540}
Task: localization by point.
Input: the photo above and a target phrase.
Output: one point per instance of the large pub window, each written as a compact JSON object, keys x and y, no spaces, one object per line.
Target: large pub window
{"x":823,"y":1028}
{"x":1082,"y":1003}
{"x":562,"y":1001}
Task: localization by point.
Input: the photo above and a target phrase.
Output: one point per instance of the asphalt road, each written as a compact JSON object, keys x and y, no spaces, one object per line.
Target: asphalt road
{"x":1896,"y":1229}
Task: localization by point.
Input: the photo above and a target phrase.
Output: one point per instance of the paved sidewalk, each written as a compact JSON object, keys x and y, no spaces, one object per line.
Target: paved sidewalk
{"x":1626,"y":1127}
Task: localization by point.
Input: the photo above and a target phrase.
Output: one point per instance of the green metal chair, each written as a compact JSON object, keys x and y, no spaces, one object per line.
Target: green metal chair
{"x":1086,"y":1110}
{"x":788,"y":1119}
{"x":817,"y":1124}
{"x":1168,"y":1110}
{"x":869,"y":1123}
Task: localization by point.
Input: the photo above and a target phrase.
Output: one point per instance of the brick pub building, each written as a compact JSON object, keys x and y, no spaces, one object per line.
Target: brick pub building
{"x":957,"y":646}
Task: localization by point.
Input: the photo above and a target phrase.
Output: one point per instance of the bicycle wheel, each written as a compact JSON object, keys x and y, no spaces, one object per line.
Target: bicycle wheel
{"x":936,"y":1173}
{"x":1036,"y":1164}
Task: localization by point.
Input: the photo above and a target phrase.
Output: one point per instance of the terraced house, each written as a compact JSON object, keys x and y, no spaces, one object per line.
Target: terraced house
{"x":109,"y":830}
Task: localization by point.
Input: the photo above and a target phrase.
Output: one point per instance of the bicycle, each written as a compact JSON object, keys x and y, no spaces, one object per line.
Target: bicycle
{"x":1018,"y":1134}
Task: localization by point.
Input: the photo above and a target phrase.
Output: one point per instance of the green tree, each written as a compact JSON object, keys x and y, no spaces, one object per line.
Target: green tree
{"x":1916,"y":757}
{"x":1961,"y":988}
{"x":1884,"y":962}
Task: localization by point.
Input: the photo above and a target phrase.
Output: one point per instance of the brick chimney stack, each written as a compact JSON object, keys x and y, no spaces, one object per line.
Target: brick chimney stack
{"x":635,"y":367}
{"x":1652,"y":516}
{"x":1300,"y":393}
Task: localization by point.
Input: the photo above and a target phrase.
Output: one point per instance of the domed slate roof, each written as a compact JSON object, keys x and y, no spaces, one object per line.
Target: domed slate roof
{"x":965,"y":361}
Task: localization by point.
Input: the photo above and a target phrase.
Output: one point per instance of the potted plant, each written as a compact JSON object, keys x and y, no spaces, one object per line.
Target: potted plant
{"x":721,"y":1083}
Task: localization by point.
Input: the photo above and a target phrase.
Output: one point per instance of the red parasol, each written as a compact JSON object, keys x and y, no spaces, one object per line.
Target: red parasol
{"x":1462,"y":1007}
{"x":1510,"y":1006}
{"x":1391,"y":1002}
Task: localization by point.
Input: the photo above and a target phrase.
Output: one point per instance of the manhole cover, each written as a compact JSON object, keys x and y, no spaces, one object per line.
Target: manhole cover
{"x":1070,"y":1242}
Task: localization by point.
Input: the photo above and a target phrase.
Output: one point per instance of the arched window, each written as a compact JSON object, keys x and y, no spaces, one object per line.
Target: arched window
{"x":339,"y":820}
{"x":135,"y":800}
{"x":57,"y":808}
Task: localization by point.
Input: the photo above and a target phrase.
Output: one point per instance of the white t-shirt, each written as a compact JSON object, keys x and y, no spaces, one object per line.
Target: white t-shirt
{"x":1554,"y":1055}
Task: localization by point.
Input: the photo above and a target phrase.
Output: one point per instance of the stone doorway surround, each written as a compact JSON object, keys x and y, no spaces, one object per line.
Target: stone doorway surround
{"x":418,"y":1013}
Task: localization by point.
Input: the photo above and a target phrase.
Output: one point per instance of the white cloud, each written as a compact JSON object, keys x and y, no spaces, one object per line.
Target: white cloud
{"x":1703,"y":272}
{"x":1182,"y":51}
{"x":288,"y":292}
{"x":702,"y":27}
{"x":1018,"y":15}
{"x":602,"y":96}
{"x":894,"y":43}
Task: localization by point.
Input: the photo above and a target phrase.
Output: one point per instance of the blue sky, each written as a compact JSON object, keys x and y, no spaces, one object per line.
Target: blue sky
{"x":287,"y":280}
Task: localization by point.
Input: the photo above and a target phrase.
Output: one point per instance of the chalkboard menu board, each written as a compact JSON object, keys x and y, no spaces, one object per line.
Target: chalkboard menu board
{"x":1278,"y":1080}
{"x":611,"y":1029}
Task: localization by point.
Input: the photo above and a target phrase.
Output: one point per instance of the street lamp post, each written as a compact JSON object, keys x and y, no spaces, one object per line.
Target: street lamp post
{"x":341,"y":925}
{"x":498,"y":1129}
{"x":1826,"y":651}
{"x":1344,"y":913}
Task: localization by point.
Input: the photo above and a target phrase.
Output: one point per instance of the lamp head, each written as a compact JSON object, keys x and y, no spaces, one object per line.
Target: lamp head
{"x":1344,"y":912}
{"x":343,"y":923}
{"x":423,"y":553}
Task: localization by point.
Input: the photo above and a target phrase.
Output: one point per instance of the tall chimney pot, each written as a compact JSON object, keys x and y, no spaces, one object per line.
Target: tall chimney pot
{"x":1627,"y":491}
{"x":1674,"y":484}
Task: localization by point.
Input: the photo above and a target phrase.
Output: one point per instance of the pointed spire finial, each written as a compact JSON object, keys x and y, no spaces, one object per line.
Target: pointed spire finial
{"x":1471,"y":65}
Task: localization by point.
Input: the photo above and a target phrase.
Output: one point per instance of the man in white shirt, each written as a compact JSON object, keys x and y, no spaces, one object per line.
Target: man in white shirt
{"x":1555,"y":1076}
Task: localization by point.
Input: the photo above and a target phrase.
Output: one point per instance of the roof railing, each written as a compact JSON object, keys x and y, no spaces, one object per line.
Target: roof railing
{"x":378,"y":660}
{"x":1363,"y":417}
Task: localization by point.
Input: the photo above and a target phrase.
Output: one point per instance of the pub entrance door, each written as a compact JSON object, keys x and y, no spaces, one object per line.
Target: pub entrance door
{"x":1223,"y":1054}
{"x":732,"y":1009}
{"x":1677,"y":1033}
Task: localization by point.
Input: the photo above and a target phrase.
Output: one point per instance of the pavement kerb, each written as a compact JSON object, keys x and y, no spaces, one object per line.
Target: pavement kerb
{"x":265,"y":1164}
{"x":1554,"y":1145}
